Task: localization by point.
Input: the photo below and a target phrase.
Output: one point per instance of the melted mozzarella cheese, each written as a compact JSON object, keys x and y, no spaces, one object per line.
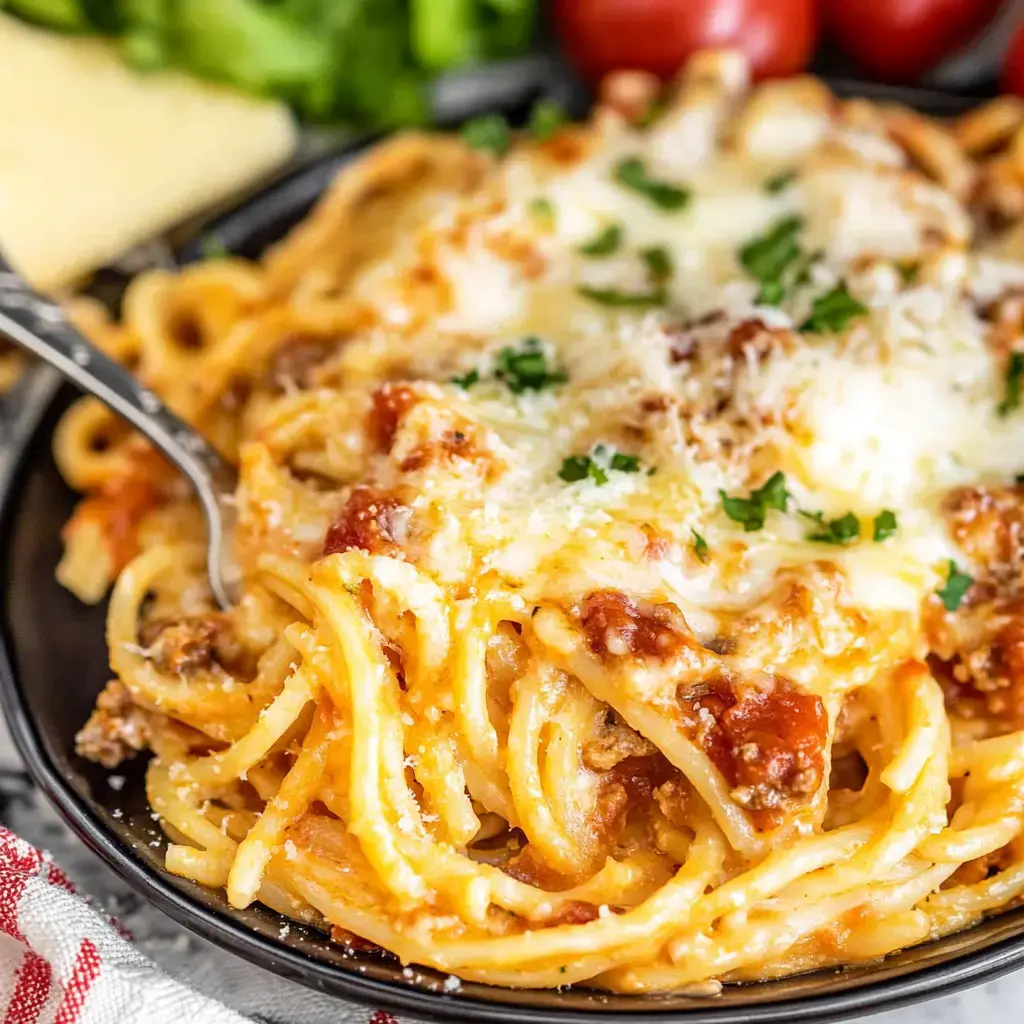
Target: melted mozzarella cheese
{"x":887,"y":414}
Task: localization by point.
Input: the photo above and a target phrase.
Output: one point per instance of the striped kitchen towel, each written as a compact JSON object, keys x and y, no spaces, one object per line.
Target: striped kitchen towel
{"x":61,"y":962}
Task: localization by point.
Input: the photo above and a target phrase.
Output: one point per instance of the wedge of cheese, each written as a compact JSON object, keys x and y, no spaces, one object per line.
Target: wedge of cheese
{"x":95,"y":157}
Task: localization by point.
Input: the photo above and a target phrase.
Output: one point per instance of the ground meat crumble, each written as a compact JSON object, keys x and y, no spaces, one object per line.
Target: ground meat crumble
{"x":116,"y":730}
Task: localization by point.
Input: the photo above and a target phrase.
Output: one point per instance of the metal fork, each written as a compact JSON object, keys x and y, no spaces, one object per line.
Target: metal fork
{"x":39,"y":325}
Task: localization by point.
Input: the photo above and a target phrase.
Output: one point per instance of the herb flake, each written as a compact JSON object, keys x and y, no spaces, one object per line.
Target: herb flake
{"x":624,"y":300}
{"x":546,"y":118}
{"x":1012,"y":381}
{"x":466,"y":381}
{"x":771,"y":294}
{"x":582,"y":467}
{"x":654,"y":110}
{"x":752,"y":510}
{"x":526,"y":368}
{"x":908,"y":271}
{"x":779,"y":182}
{"x":833,"y":310}
{"x":489,"y":132}
{"x":625,"y":463}
{"x":843,"y":530}
{"x":658,"y":261}
{"x":768,"y":256}
{"x":955,"y":589}
{"x":212,"y":247}
{"x":597,"y":464}
{"x":632,"y":173}
{"x":885,"y":525}
{"x":803,"y":274}
{"x":700,"y":546}
{"x":542,"y":210}
{"x":605,"y":242}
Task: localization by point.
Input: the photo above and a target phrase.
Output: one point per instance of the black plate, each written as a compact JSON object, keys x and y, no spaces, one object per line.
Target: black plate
{"x":53,"y":663}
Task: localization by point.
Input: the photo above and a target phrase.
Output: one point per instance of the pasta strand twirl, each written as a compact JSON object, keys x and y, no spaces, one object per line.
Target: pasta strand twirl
{"x":630,"y":544}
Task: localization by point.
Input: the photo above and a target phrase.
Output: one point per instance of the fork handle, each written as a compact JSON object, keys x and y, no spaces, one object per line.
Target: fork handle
{"x":40,"y":326}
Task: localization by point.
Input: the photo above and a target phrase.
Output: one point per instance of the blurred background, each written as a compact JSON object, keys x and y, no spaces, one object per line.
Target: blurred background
{"x":128,"y":118}
{"x":371,"y":62}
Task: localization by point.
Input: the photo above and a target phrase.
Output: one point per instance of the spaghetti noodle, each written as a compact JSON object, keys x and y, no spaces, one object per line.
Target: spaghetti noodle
{"x":630,"y":541}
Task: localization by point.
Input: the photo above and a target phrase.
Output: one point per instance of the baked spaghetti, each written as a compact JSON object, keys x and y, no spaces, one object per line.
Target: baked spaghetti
{"x":630,"y":541}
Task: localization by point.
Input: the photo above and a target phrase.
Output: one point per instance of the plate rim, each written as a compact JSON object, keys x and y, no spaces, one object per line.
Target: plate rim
{"x":916,"y":986}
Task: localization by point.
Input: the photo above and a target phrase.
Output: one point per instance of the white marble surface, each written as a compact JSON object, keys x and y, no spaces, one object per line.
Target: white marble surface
{"x":272,"y":1000}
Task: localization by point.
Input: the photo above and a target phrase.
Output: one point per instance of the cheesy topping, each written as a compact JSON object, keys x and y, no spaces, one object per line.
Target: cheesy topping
{"x":708,"y":387}
{"x":630,"y":544}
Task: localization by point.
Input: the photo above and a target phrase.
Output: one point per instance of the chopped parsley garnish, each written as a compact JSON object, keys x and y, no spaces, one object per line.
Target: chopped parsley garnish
{"x":605,"y":242}
{"x":654,"y":110}
{"x":1012,"y":379}
{"x":833,"y":310}
{"x":543,"y":211}
{"x":885,"y":525}
{"x":466,"y":381}
{"x":625,"y":463}
{"x":908,"y":271}
{"x":580,"y":467}
{"x":490,"y":132}
{"x":212,"y":247}
{"x":526,"y":368}
{"x":751,"y":511}
{"x":768,"y":256}
{"x":659,"y":263}
{"x":803,"y":275}
{"x":595,"y":466}
{"x":771,"y":293}
{"x":957,"y":585}
{"x":624,"y":300}
{"x":632,"y":174}
{"x":545,"y":119}
{"x":700,"y":546}
{"x":775,"y":257}
{"x":843,"y":530}
{"x":779,"y":182}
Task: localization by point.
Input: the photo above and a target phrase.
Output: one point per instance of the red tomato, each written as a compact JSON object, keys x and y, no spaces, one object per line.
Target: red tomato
{"x":901,"y":39}
{"x":658,"y":35}
{"x":1013,"y":65}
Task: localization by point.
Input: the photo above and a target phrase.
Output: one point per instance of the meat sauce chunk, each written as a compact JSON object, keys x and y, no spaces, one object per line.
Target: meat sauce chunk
{"x":977,"y":651}
{"x":373,"y":521}
{"x":752,"y":338}
{"x":298,"y":358}
{"x":615,"y":743}
{"x":977,"y":655}
{"x":116,"y":730}
{"x":451,"y":444}
{"x":529,"y":867}
{"x":453,"y":438}
{"x":981,"y":868}
{"x":574,"y":912}
{"x":617,"y":626}
{"x":389,"y":403}
{"x":768,"y":743}
{"x":189,"y":644}
{"x":988,"y":524}
{"x":117,"y":509}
